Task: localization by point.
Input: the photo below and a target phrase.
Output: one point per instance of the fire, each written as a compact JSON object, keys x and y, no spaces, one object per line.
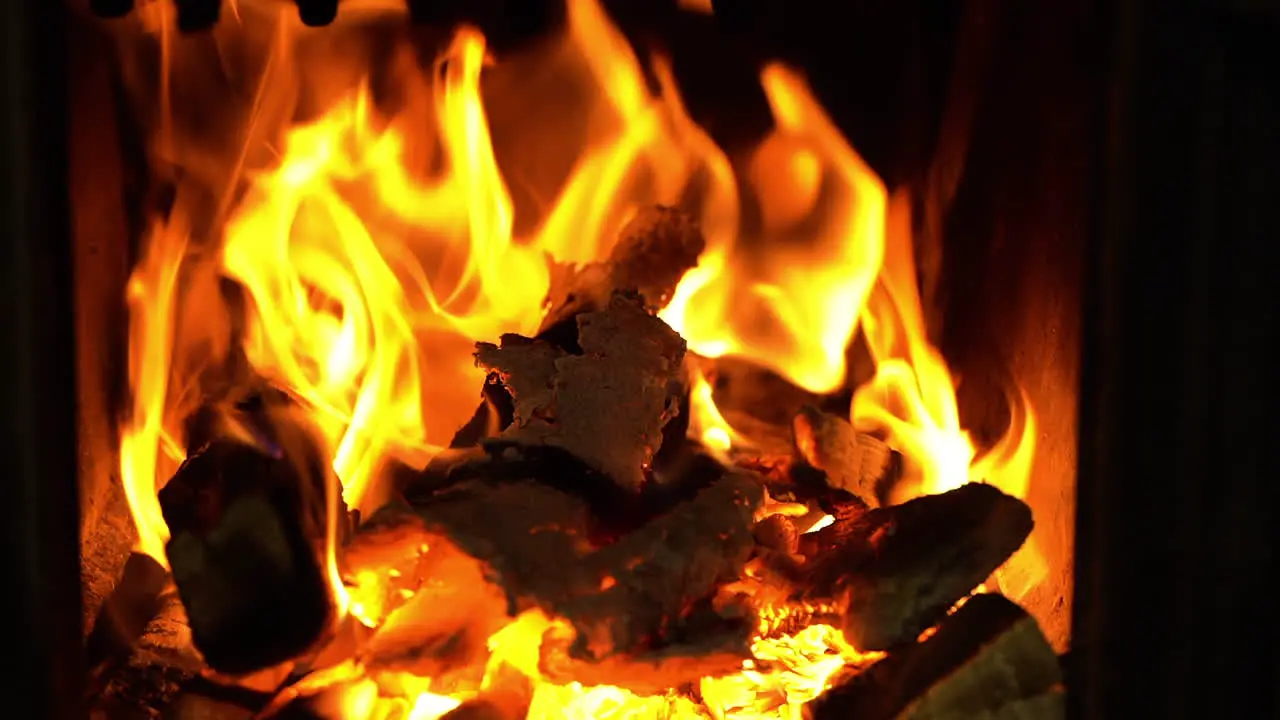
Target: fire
{"x":380,"y":244}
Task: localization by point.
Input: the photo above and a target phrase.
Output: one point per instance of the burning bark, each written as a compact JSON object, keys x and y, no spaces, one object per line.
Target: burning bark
{"x":855,"y":462}
{"x":247,"y":515}
{"x":896,"y":570}
{"x":641,"y":612}
{"x":653,"y":252}
{"x":987,"y":659}
{"x":608,"y":405}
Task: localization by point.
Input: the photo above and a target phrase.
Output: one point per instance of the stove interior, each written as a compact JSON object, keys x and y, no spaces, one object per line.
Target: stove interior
{"x":583,"y":363}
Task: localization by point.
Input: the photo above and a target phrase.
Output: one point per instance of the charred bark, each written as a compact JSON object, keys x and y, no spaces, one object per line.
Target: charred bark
{"x":654,"y":250}
{"x":895,"y":571}
{"x":650,"y":595}
{"x":608,"y":405}
{"x":247,"y":516}
{"x":988,"y":659}
{"x":855,"y":462}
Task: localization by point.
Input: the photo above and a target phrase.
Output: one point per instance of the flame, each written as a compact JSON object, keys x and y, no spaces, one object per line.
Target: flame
{"x":384,"y":238}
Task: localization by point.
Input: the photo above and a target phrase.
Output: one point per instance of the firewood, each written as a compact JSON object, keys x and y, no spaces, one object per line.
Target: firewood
{"x":853,"y":461}
{"x":740,"y":385}
{"x":654,"y":251}
{"x":126,"y":613}
{"x":651,"y":593}
{"x":658,"y":572}
{"x":613,"y":511}
{"x":608,"y":405}
{"x":897,"y":570}
{"x":247,"y":516}
{"x":988,"y":659}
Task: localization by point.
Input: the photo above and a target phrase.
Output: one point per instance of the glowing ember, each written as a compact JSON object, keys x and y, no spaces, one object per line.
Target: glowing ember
{"x":379,"y":245}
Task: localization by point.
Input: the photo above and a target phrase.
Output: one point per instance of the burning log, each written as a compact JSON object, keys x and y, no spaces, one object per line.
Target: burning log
{"x":606,"y":406}
{"x":988,"y":659}
{"x":125,"y":615}
{"x":247,"y":516}
{"x":855,"y":462}
{"x":650,"y":579}
{"x":652,"y":254}
{"x":654,"y":251}
{"x":897,"y":570}
{"x":649,"y":596}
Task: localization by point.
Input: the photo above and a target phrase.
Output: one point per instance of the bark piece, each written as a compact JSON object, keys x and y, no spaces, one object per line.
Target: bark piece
{"x":247,"y":517}
{"x":988,"y":659}
{"x":654,"y":251}
{"x":608,"y":405}
{"x":896,"y":570}
{"x":649,"y":581}
{"x":853,"y":461}
{"x":125,"y":614}
{"x":650,"y":594}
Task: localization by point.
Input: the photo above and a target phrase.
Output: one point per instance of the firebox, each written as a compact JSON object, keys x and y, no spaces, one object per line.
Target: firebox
{"x":599,"y":359}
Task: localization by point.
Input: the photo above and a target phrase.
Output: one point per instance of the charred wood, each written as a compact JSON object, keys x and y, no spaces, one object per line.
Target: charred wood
{"x":896,"y":570}
{"x":779,"y":533}
{"x":247,"y":515}
{"x":660,"y":571}
{"x":654,"y":250}
{"x":988,"y":659}
{"x":613,"y":511}
{"x":650,"y":594}
{"x":855,"y":462}
{"x":126,"y":613}
{"x":741,"y":386}
{"x":607,"y":406}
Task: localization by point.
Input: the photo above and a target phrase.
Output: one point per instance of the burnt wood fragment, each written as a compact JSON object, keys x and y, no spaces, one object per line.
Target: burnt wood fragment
{"x":649,"y":594}
{"x":653,"y":252}
{"x":121,"y":620}
{"x":988,"y":659}
{"x":613,"y":511}
{"x":855,"y":462}
{"x":247,"y":515}
{"x":607,"y":406}
{"x":895,"y":571}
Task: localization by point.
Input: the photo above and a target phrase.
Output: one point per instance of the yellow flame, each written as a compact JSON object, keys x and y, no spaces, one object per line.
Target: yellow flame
{"x":381,"y":243}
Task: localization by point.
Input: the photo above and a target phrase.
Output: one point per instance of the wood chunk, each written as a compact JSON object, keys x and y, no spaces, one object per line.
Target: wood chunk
{"x":897,"y":570}
{"x":650,"y":594}
{"x":855,"y":462}
{"x":989,"y":659}
{"x":778,"y":532}
{"x":247,"y":517}
{"x":608,"y":405}
{"x":654,"y":251}
{"x":125,"y":614}
{"x":742,"y":386}
{"x":648,"y":581}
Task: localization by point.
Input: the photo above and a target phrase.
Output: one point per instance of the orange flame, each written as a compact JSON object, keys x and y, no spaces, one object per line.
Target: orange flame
{"x":380,"y":244}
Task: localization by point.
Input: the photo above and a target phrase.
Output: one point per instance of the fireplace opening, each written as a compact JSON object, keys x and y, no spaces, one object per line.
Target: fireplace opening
{"x":589,"y":362}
